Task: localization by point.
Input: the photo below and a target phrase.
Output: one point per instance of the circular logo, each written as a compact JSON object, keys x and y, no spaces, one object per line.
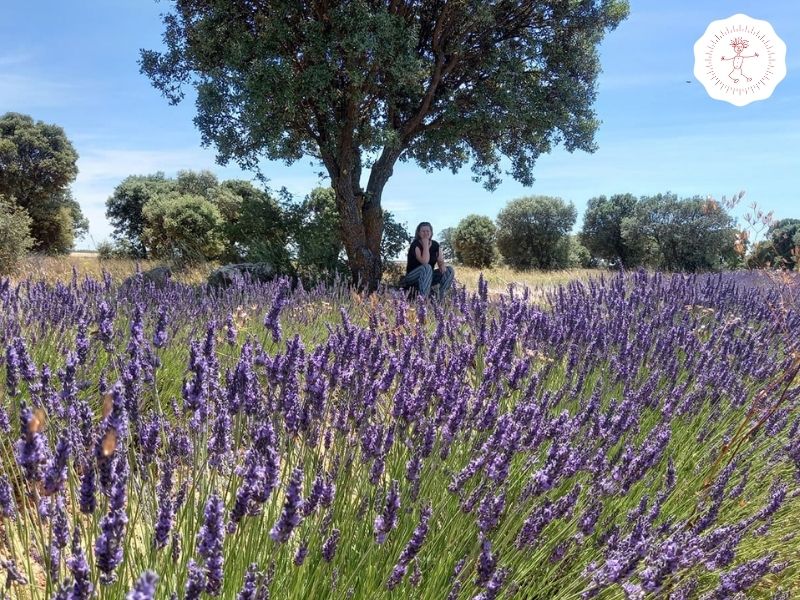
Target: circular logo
{"x":740,"y":60}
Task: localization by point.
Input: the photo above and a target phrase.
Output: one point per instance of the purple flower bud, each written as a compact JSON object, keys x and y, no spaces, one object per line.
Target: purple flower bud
{"x":300,"y":555}
{"x":8,"y":508}
{"x":209,"y":543}
{"x":160,"y":335}
{"x":81,"y":343}
{"x":108,"y":549}
{"x":144,"y":588}
{"x":88,"y":491}
{"x":31,"y":450}
{"x":384,"y":523}
{"x":82,"y":588}
{"x":56,"y":473}
{"x":293,"y":504}
{"x":329,"y":546}
{"x":13,"y":574}
{"x":411,"y":549}
{"x":230,"y":330}
{"x":490,"y":511}
{"x":196,"y":582}
{"x":493,"y":587}
{"x":310,"y":503}
{"x":487,"y":563}
{"x":166,"y":508}
{"x":743,"y":577}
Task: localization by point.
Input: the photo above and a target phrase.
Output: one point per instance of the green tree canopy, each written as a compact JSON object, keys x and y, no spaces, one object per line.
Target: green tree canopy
{"x":602,"y":229}
{"x":785,"y":238}
{"x":255,"y":229}
{"x":37,"y":165}
{"x":15,"y":238}
{"x":124,"y":208}
{"x":474,"y":241}
{"x":691,"y":234}
{"x":361,"y":85}
{"x":183,"y":227}
{"x":532,"y":232}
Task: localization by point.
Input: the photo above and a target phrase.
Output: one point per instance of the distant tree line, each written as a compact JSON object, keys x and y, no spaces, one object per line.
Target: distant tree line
{"x":660,"y":232}
{"x":194,"y":217}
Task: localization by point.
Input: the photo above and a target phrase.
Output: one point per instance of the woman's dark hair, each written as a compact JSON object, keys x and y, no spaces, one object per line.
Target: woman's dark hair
{"x":420,"y":226}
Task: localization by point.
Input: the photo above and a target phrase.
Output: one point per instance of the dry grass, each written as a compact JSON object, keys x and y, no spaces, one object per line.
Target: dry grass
{"x":52,"y":269}
{"x":59,"y":268}
{"x":499,"y":278}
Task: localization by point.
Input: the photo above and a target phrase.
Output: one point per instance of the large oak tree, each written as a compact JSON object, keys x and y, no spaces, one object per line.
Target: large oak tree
{"x":361,"y":84}
{"x":37,"y":165}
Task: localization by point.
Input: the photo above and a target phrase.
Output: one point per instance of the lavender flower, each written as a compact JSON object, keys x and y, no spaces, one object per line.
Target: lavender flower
{"x":8,"y":507}
{"x":196,"y":582}
{"x":13,"y":574}
{"x":292,"y":507}
{"x":31,"y":450}
{"x":493,"y":587}
{"x":743,"y":577}
{"x":160,"y":334}
{"x":82,"y":588}
{"x":209,"y":543}
{"x":88,"y":501}
{"x":487,"y":563}
{"x":56,"y":473}
{"x":108,"y":547}
{"x":329,"y":546}
{"x":384,"y":523}
{"x":301,"y":553}
{"x":166,"y":508}
{"x":411,"y":549}
{"x":144,"y":588}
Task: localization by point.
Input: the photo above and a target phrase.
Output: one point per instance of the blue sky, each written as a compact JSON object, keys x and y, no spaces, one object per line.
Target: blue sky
{"x":75,"y":64}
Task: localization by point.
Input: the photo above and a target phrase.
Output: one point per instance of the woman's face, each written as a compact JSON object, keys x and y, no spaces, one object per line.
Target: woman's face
{"x":425,"y":232}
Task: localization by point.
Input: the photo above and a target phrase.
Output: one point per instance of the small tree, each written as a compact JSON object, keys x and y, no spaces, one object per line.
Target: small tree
{"x":578,"y":254}
{"x":124,"y":208}
{"x":184,"y":228}
{"x":446,"y":246}
{"x":37,"y":165}
{"x":692,"y":234}
{"x":531,"y":232}
{"x":15,"y":238}
{"x":602,"y":229}
{"x":474,"y":241}
{"x":255,"y":228}
{"x":785,"y":237}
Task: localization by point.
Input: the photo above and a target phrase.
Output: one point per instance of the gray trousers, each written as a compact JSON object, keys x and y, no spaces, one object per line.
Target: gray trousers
{"x":424,"y":277}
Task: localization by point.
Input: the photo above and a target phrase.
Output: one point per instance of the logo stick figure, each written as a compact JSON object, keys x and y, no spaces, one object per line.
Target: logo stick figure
{"x":739,"y":44}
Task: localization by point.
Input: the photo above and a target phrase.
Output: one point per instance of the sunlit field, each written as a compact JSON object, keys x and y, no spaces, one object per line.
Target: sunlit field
{"x":592,"y":435}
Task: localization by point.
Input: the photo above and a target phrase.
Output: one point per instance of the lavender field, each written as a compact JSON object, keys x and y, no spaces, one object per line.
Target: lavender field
{"x":631,"y":436}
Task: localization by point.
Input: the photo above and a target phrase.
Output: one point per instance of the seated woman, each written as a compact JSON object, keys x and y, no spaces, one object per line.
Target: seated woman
{"x":423,"y":256}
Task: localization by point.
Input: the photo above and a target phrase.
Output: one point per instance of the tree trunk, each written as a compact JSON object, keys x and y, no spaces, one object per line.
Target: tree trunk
{"x":362,"y":217}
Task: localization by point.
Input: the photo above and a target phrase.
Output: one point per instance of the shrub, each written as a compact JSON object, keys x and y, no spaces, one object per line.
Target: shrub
{"x":531,"y":231}
{"x":690,"y":234}
{"x":578,"y":254}
{"x":15,"y":235}
{"x":183,"y":228}
{"x":474,"y":241}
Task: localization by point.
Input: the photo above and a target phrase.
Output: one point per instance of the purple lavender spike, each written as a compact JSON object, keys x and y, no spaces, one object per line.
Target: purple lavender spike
{"x":209,"y":543}
{"x":290,"y":515}
{"x":329,"y":546}
{"x":144,"y":588}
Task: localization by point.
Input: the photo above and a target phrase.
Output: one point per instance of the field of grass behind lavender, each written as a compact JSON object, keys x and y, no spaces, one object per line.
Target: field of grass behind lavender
{"x":629,"y":436}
